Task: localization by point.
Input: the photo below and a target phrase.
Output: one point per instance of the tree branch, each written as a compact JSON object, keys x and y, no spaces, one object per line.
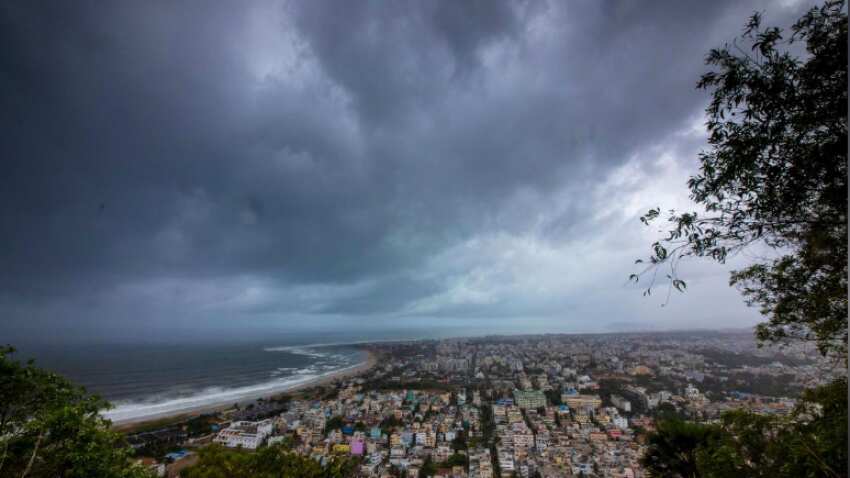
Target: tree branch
{"x":34,"y":453}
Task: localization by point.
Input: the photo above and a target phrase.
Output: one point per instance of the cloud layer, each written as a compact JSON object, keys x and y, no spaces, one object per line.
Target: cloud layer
{"x":205,"y":165}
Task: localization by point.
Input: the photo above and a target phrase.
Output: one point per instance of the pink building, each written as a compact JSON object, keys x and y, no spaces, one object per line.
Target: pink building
{"x":356,"y":447}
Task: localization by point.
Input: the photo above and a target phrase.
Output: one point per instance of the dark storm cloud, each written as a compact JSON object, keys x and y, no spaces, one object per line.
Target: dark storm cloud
{"x":396,"y":57}
{"x":329,"y":154}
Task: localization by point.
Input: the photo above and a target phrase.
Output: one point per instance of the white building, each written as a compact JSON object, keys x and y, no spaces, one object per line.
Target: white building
{"x":506,"y":462}
{"x":524,"y":440}
{"x":621,"y":403}
{"x":248,"y":435}
{"x":621,"y":422}
{"x":692,"y":393}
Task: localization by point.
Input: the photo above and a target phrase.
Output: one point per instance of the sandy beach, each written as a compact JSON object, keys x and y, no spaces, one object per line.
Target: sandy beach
{"x":124,"y":424}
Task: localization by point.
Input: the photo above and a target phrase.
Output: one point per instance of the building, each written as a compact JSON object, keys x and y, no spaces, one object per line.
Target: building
{"x":621,"y":403}
{"x":529,"y":399}
{"x":579,"y":401}
{"x":692,"y":393}
{"x":245,"y":434}
{"x":641,"y":370}
{"x":621,"y":423}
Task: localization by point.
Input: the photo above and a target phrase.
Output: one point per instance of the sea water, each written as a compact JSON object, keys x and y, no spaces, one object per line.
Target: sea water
{"x":152,"y":380}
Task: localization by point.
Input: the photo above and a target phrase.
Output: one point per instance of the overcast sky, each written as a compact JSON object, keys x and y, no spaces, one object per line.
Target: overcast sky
{"x":237,"y":167}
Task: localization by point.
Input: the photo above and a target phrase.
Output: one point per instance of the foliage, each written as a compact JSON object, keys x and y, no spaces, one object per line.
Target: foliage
{"x":608,"y":387}
{"x":429,"y":468}
{"x":334,"y":423}
{"x":389,"y":423}
{"x":811,"y":442}
{"x":200,"y":425}
{"x":554,"y":396}
{"x":459,"y":443}
{"x":494,"y":456}
{"x":767,"y":385}
{"x":425,"y":384}
{"x":216,"y":461}
{"x":158,"y":450}
{"x":673,"y":448}
{"x":776,"y":175}
{"x":50,"y":427}
{"x":737,"y":360}
{"x":667,"y":411}
{"x":488,"y":427}
{"x":457,"y":459}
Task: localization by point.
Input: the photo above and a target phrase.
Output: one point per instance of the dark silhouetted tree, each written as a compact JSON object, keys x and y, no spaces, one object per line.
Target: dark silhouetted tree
{"x":775,"y":175}
{"x":50,"y":427}
{"x":276,"y":461}
{"x":672,"y":449}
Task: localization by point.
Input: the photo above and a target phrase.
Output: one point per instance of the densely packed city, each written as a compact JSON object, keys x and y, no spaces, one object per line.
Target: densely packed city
{"x":529,"y":406}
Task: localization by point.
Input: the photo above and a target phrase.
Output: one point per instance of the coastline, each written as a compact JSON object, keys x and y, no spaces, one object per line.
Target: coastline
{"x":130,"y":423}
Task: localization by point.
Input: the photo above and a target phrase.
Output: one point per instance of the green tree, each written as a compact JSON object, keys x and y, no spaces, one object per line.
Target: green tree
{"x":459,"y":442}
{"x":215,"y":461}
{"x":811,"y":442}
{"x":775,"y":175}
{"x":673,"y":448}
{"x":50,"y":427}
{"x":457,"y":459}
{"x":554,"y":396}
{"x":429,"y":468}
{"x":334,"y":423}
{"x":667,"y":410}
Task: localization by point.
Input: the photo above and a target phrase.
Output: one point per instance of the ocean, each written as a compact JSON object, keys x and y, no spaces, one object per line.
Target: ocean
{"x":151,"y":380}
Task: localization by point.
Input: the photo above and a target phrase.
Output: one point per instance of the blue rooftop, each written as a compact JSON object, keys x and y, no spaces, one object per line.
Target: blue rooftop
{"x":176,"y":455}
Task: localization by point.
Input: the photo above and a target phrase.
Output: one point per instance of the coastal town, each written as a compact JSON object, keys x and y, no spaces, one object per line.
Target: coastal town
{"x":526,"y":406}
{"x":425,"y":239}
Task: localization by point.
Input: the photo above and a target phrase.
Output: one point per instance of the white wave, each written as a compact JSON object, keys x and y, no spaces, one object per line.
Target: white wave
{"x":211,"y":397}
{"x":309,"y":370}
{"x":290,"y":348}
{"x":297,"y":350}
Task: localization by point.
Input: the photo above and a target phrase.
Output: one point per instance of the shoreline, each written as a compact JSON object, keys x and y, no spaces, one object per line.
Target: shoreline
{"x":351,"y":371}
